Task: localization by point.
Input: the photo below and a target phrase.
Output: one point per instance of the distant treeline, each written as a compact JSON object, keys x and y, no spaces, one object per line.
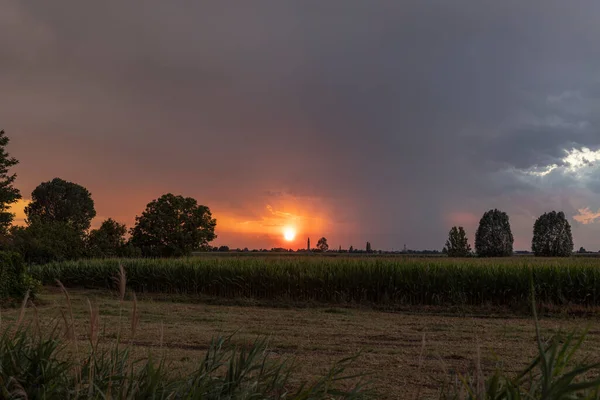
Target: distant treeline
{"x":60,"y":213}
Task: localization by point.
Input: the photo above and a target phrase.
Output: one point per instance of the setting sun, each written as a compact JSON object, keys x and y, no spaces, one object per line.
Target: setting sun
{"x":289,"y":234}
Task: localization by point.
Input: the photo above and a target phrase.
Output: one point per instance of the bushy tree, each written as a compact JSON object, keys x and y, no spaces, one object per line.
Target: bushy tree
{"x":14,"y":279}
{"x":552,"y":235}
{"x":457,"y":244}
{"x":8,"y":194}
{"x":45,"y":241}
{"x":494,"y":237}
{"x":61,"y":201}
{"x":108,"y":240}
{"x":173,"y":226}
{"x":322,"y":245}
{"x":369,"y":249}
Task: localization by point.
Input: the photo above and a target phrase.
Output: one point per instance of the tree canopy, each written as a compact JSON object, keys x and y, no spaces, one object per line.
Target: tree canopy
{"x":173,"y":226}
{"x":8,"y":193}
{"x":552,"y":235}
{"x":45,"y":241}
{"x":457,"y":244}
{"x":494,"y":237}
{"x":61,"y":201}
{"x":322,"y":245}
{"x":108,"y":240}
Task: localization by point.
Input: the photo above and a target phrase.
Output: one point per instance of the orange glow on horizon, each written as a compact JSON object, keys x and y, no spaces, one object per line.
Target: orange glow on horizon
{"x":18,"y":209}
{"x":281,"y":225}
{"x":285,"y":221}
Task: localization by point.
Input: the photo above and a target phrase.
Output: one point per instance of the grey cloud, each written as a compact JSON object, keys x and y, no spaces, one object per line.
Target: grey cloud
{"x":396,"y":113}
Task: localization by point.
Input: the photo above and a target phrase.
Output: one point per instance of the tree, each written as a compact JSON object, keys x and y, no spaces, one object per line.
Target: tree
{"x":552,"y":235}
{"x":582,"y":250}
{"x":61,"y":201}
{"x":322,"y":245}
{"x":108,"y":240}
{"x":45,"y":241}
{"x":224,"y":248}
{"x":368,"y":248}
{"x":351,"y":249}
{"x":494,"y":237}
{"x":173,"y":226}
{"x":8,"y":194}
{"x":457,"y":244}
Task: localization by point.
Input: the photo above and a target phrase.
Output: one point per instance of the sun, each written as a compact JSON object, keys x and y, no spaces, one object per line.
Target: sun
{"x":289,"y":234}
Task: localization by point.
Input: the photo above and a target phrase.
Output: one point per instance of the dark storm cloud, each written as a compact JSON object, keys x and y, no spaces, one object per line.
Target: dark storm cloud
{"x":396,"y":114}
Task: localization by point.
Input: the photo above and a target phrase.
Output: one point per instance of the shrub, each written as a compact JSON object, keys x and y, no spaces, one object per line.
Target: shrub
{"x":14,"y":280}
{"x":44,"y":242}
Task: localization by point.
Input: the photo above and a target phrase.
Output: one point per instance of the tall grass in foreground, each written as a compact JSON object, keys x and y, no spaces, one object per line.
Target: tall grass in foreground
{"x":375,"y":280}
{"x":554,"y":374}
{"x":39,"y":363}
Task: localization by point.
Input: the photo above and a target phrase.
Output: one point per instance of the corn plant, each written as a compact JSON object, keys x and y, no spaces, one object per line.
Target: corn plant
{"x":373,"y":280}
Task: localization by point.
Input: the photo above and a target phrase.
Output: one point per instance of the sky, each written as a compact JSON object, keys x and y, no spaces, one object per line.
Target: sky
{"x":386,"y":121}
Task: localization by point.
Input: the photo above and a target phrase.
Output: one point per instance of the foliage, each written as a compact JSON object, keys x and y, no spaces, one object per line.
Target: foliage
{"x":457,"y":244}
{"x":8,"y":193}
{"x":322,"y":245}
{"x":46,"y":241}
{"x":14,"y":280}
{"x":368,"y":248}
{"x":173,"y":226}
{"x":108,"y":240}
{"x":553,"y":374}
{"x":552,"y":236}
{"x":61,"y":201}
{"x":494,"y":237}
{"x":389,"y":281}
{"x":42,"y":363}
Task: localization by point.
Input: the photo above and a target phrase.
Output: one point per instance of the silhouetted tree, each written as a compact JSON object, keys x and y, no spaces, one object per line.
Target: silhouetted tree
{"x":8,"y":194}
{"x":351,"y":249}
{"x":582,"y":250}
{"x":47,"y":241}
{"x":322,"y":245}
{"x":61,"y":201}
{"x":552,"y":235}
{"x":368,"y":247}
{"x":108,"y":240}
{"x":224,"y":248}
{"x":457,"y":244}
{"x":494,"y":237}
{"x":173,"y":226}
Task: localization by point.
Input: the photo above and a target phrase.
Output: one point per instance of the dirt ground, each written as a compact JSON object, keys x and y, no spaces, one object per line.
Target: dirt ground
{"x":405,"y":354}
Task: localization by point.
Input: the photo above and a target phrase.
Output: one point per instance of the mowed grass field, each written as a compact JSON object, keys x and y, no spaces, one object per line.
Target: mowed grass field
{"x":416,"y":322}
{"x":406,"y":354}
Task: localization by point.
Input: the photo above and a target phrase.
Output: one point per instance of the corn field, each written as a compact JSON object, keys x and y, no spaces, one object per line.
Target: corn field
{"x":369,"y":280}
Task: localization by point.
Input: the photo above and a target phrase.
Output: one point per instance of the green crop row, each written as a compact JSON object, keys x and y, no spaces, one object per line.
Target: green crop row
{"x":397,"y":281}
